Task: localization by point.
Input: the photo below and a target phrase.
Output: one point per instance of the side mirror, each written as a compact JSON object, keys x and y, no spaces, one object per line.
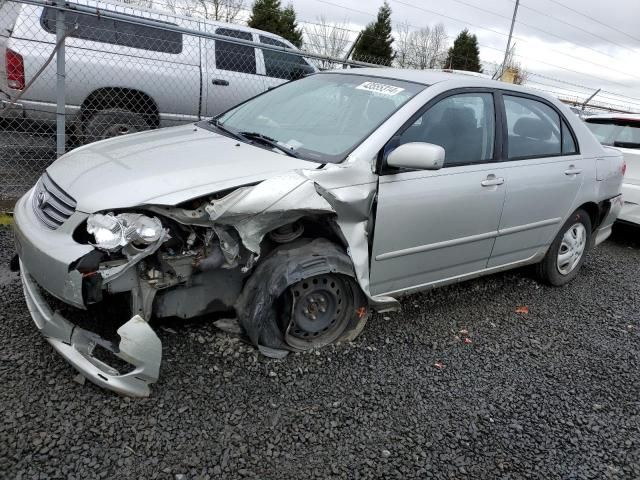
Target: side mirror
{"x":417,"y":155}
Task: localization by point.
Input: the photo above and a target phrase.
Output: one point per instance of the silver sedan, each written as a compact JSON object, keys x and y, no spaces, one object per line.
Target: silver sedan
{"x":302,"y":209}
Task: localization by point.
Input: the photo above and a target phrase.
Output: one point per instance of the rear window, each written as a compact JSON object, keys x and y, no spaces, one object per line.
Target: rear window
{"x":283,"y":65}
{"x":617,"y":132}
{"x":106,"y":30}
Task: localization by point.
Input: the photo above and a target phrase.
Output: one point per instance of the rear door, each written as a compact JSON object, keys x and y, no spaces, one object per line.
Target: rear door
{"x":433,"y":226}
{"x":543,"y":173}
{"x":232,"y":75}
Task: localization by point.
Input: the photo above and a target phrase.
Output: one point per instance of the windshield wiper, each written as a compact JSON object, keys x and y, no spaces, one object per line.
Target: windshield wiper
{"x":220,"y":126}
{"x":258,"y":137}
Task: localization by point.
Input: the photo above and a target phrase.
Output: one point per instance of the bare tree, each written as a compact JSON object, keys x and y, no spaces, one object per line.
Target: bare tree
{"x":224,"y":10}
{"x":138,"y":3}
{"x":402,"y":45}
{"x":421,"y":49}
{"x":439,"y":45}
{"x":325,"y":38}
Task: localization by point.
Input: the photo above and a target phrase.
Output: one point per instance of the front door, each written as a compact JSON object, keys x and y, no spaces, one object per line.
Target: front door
{"x":438,"y":225}
{"x":543,"y":173}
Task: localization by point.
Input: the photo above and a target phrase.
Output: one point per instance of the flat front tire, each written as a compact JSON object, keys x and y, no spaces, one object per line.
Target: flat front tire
{"x":567,"y":253}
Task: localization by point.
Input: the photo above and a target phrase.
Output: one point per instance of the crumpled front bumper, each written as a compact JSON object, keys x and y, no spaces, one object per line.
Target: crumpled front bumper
{"x":138,"y":346}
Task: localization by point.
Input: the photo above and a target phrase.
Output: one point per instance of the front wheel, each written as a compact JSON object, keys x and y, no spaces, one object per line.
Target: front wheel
{"x":567,"y":253}
{"x":323,"y":309}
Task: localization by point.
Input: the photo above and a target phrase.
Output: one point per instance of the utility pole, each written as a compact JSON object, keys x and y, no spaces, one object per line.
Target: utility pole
{"x":506,"y":51}
{"x":586,"y":102}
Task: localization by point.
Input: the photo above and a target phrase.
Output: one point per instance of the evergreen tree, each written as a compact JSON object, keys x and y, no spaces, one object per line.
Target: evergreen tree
{"x":465,"y":54}
{"x":289,"y":26}
{"x":268,"y":15}
{"x":374,"y":45}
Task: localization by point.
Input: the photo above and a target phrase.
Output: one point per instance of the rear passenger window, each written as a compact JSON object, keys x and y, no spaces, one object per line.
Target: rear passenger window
{"x":283,"y":65}
{"x":463,"y":125}
{"x":233,"y":57}
{"x":100,"y":29}
{"x":533,"y":128}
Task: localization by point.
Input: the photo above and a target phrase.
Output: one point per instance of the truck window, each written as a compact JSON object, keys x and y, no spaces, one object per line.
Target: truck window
{"x":283,"y":65}
{"x":100,"y":29}
{"x":233,"y":57}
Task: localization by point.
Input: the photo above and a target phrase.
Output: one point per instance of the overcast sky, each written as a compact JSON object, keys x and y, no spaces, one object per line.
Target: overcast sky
{"x":554,"y":43}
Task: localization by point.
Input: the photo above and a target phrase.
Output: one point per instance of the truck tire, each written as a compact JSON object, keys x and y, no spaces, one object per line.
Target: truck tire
{"x":567,"y":253}
{"x":113,"y":122}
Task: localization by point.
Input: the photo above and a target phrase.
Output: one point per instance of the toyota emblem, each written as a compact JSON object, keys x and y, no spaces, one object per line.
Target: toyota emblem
{"x":43,"y":199}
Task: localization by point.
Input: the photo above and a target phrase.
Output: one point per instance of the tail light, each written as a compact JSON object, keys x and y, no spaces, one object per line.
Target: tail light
{"x":624,"y":168}
{"x":15,"y":70}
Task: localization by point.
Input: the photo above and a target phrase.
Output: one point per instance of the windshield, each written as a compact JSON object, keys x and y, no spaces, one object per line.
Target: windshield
{"x":617,"y":132}
{"x":323,"y":117}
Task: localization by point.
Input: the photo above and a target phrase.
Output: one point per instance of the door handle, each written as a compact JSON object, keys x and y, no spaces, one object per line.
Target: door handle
{"x":572,"y":170}
{"x":492,"y":181}
{"x":220,"y":81}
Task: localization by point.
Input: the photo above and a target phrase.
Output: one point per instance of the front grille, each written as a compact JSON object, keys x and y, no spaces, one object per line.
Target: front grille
{"x":51,"y":204}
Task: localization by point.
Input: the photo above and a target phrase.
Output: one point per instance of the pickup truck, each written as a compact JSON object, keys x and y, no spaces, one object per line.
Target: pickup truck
{"x":123,"y":76}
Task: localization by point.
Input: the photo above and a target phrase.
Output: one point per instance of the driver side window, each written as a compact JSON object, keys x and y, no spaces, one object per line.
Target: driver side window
{"x":464,"y":125}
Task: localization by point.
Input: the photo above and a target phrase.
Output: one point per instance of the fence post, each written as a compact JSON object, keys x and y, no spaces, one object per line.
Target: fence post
{"x":60,"y":81}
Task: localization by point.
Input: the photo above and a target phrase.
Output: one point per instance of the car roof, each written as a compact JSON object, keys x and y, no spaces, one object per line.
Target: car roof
{"x":430,"y":77}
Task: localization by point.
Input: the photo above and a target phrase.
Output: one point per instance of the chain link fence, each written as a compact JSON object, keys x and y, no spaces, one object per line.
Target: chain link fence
{"x":76,"y":73}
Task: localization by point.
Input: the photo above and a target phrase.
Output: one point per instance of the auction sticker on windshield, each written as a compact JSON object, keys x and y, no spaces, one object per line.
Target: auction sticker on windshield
{"x":379,"y":88}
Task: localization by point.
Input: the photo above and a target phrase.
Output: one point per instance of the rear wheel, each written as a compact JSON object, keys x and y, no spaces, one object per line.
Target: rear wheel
{"x":113,"y":122}
{"x":567,"y":253}
{"x":323,"y":309}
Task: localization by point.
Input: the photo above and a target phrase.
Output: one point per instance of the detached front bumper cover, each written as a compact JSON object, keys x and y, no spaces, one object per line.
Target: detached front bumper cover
{"x":139,"y":346}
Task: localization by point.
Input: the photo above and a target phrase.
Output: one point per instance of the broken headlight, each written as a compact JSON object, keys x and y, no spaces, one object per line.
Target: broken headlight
{"x":112,"y":232}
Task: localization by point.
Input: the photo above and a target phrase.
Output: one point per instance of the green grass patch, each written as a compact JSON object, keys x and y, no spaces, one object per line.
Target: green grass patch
{"x":6,"y":219}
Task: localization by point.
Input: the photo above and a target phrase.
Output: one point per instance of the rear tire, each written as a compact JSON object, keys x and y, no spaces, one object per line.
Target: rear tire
{"x":567,"y":253}
{"x":113,"y":122}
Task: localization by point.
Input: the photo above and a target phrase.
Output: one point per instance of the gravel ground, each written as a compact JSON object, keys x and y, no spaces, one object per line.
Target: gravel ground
{"x":552,"y":393}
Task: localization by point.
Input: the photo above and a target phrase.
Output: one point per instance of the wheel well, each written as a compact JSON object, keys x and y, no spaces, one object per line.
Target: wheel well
{"x":320,"y":226}
{"x":125,"y":98}
{"x":595,"y":213}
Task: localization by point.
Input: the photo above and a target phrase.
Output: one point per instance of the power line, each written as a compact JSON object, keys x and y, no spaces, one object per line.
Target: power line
{"x":594,"y":20}
{"x":518,"y":38}
{"x":546,"y":15}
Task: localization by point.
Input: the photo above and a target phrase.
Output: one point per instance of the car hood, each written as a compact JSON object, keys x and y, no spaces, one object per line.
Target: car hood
{"x":163,"y":167}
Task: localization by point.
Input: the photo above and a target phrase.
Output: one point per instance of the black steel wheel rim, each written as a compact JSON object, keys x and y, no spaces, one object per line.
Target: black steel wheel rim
{"x":319,"y":312}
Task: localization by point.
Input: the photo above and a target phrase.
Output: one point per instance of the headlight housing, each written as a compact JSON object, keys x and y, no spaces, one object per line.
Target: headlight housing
{"x":112,"y":232}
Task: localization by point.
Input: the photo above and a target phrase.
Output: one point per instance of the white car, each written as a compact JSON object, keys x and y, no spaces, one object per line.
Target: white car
{"x":623,"y":132}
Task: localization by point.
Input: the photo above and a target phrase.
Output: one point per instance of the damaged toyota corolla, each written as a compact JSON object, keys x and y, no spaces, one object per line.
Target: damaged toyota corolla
{"x":301,"y":209}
